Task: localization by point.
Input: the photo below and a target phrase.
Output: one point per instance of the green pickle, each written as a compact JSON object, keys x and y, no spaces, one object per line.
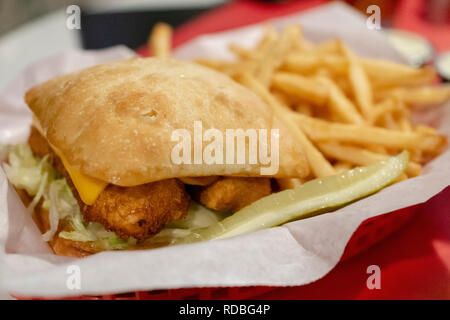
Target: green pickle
{"x":314,"y":197}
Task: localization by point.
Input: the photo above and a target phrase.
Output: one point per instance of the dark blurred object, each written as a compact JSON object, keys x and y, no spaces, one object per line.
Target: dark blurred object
{"x":13,"y":13}
{"x":104,"y":27}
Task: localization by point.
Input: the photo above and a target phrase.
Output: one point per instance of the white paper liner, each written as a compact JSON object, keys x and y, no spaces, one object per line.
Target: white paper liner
{"x":294,"y":254}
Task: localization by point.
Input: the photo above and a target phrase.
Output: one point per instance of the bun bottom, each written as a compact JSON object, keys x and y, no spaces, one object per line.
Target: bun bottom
{"x":60,"y":246}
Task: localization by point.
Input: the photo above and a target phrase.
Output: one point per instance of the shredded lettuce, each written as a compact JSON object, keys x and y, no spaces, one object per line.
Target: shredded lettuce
{"x":167,"y":236}
{"x":27,"y":172}
{"x":197,"y":217}
{"x":40,"y":180}
{"x":95,"y":232}
{"x":62,"y":205}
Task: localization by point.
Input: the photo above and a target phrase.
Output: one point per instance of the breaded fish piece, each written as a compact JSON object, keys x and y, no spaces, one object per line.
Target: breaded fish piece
{"x":232,"y":194}
{"x":138,"y":212}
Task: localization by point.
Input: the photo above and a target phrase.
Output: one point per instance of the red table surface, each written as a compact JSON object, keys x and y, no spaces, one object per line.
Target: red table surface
{"x":414,"y":262}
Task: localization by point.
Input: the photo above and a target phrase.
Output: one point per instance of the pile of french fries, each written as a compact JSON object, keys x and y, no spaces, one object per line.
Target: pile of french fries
{"x":346,"y":111}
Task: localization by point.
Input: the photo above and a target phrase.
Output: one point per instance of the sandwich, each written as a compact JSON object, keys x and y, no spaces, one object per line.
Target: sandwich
{"x":116,"y":156}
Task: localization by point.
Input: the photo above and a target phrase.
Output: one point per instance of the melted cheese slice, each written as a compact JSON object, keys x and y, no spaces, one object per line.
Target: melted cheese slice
{"x":88,"y":188}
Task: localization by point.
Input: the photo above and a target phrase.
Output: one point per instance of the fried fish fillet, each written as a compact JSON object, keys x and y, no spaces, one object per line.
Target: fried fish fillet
{"x":232,"y":194}
{"x":138,"y":212}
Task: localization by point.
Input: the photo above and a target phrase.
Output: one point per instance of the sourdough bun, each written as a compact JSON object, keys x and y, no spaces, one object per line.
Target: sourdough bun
{"x":114,"y":121}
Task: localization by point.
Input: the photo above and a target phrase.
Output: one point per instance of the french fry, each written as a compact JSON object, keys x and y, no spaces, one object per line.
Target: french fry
{"x":419,"y":96}
{"x":307,"y":62}
{"x":403,"y":116}
{"x":340,"y":104}
{"x":381,"y":74}
{"x":426,"y":129}
{"x":287,"y":101}
{"x":359,"y":82}
{"x":229,"y":68}
{"x":361,"y":157}
{"x":416,"y":155}
{"x":301,"y":62}
{"x":331,"y":46}
{"x":288,"y":183}
{"x":218,"y":65}
{"x":389,"y":122}
{"x":385,"y":74}
{"x":303,"y":108}
{"x":344,"y":85}
{"x":275,"y":56}
{"x":402,"y":177}
{"x":404,"y":124}
{"x":304,"y":45}
{"x":384,"y":107}
{"x":268,"y":39}
{"x":319,"y":165}
{"x":322,"y":72}
{"x":243,"y":53}
{"x":304,"y":88}
{"x":377,"y":149}
{"x":342,"y":166}
{"x":320,"y":130}
{"x":160,"y":40}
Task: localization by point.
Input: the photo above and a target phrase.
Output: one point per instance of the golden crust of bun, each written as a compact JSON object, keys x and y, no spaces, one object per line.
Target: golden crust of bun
{"x":114,"y":121}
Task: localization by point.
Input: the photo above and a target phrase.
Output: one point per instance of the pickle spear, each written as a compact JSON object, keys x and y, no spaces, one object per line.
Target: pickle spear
{"x":312,"y":197}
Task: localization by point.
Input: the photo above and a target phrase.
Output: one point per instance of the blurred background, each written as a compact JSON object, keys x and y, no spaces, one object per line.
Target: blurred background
{"x":30,"y":29}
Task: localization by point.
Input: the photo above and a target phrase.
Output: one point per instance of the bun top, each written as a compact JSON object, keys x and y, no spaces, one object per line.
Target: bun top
{"x":114,"y":121}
